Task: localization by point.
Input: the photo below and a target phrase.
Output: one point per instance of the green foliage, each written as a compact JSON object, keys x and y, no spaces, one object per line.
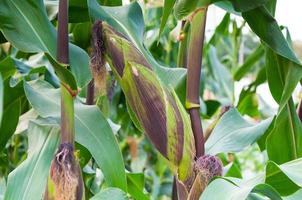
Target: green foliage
{"x":135,"y":183}
{"x":28,"y":20}
{"x":110,"y":193}
{"x":285,"y":178}
{"x":168,"y":6}
{"x":232,"y":133}
{"x":31,"y":176}
{"x":138,"y":136}
{"x":1,"y":98}
{"x":89,"y":133}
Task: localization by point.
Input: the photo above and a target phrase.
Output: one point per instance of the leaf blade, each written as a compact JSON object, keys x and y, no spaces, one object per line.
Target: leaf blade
{"x":26,"y":26}
{"x":233,"y":133}
{"x":168,"y":6}
{"x":285,"y":178}
{"x":28,"y":180}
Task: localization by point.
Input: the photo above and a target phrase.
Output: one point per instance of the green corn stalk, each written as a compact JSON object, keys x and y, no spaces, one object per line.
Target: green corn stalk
{"x":183,"y":44}
{"x":65,"y":171}
{"x":154,"y":108}
{"x":206,"y":166}
{"x":194,"y":62}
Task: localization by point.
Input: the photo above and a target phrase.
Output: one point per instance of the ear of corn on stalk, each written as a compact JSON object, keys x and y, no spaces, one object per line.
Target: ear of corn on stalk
{"x":66,"y":174}
{"x":154,"y":108}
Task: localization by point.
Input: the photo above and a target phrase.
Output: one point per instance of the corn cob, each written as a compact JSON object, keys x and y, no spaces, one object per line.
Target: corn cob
{"x":154,"y":108}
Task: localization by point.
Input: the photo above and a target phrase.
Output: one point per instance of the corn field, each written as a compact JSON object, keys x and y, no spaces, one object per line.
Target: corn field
{"x":138,"y":100}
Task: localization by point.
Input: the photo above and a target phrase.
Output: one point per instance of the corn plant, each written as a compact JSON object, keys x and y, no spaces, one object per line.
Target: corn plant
{"x":108,"y":100}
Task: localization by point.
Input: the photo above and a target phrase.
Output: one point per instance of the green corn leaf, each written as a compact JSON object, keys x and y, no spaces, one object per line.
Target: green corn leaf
{"x":2,"y":38}
{"x":76,"y":7}
{"x":295,"y":196}
{"x":222,"y":76}
{"x":111,"y":2}
{"x":1,"y":98}
{"x":12,"y":101}
{"x":167,"y":9}
{"x":266,"y":27}
{"x":183,"y":8}
{"x":282,"y":75}
{"x":110,"y":193}
{"x":233,"y":188}
{"x":249,"y":63}
{"x":26,"y":26}
{"x":220,"y":31}
{"x":246,"y":5}
{"x":63,"y":73}
{"x":28,"y":180}
{"x":287,"y":132}
{"x":285,"y":178}
{"x":7,"y":67}
{"x":279,"y":180}
{"x":9,"y":122}
{"x":233,"y":134}
{"x":135,"y":185}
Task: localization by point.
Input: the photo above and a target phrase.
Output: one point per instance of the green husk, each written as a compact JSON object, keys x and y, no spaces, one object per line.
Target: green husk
{"x":153,"y":107}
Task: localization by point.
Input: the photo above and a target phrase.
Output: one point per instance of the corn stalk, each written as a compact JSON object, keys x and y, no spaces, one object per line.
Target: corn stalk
{"x":194,"y":62}
{"x":65,"y":171}
{"x":183,"y":44}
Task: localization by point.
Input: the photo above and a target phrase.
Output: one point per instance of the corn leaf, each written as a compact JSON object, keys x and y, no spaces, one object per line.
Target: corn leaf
{"x":233,"y":134}
{"x":28,"y":180}
{"x":110,"y":193}
{"x":26,"y":26}
{"x":285,"y":178}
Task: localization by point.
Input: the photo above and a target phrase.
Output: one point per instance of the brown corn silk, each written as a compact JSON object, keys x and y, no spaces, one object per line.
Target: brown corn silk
{"x":66,"y":175}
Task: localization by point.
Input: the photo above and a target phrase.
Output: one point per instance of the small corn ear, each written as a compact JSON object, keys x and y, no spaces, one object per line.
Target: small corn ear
{"x":154,"y":108}
{"x":66,"y":174}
